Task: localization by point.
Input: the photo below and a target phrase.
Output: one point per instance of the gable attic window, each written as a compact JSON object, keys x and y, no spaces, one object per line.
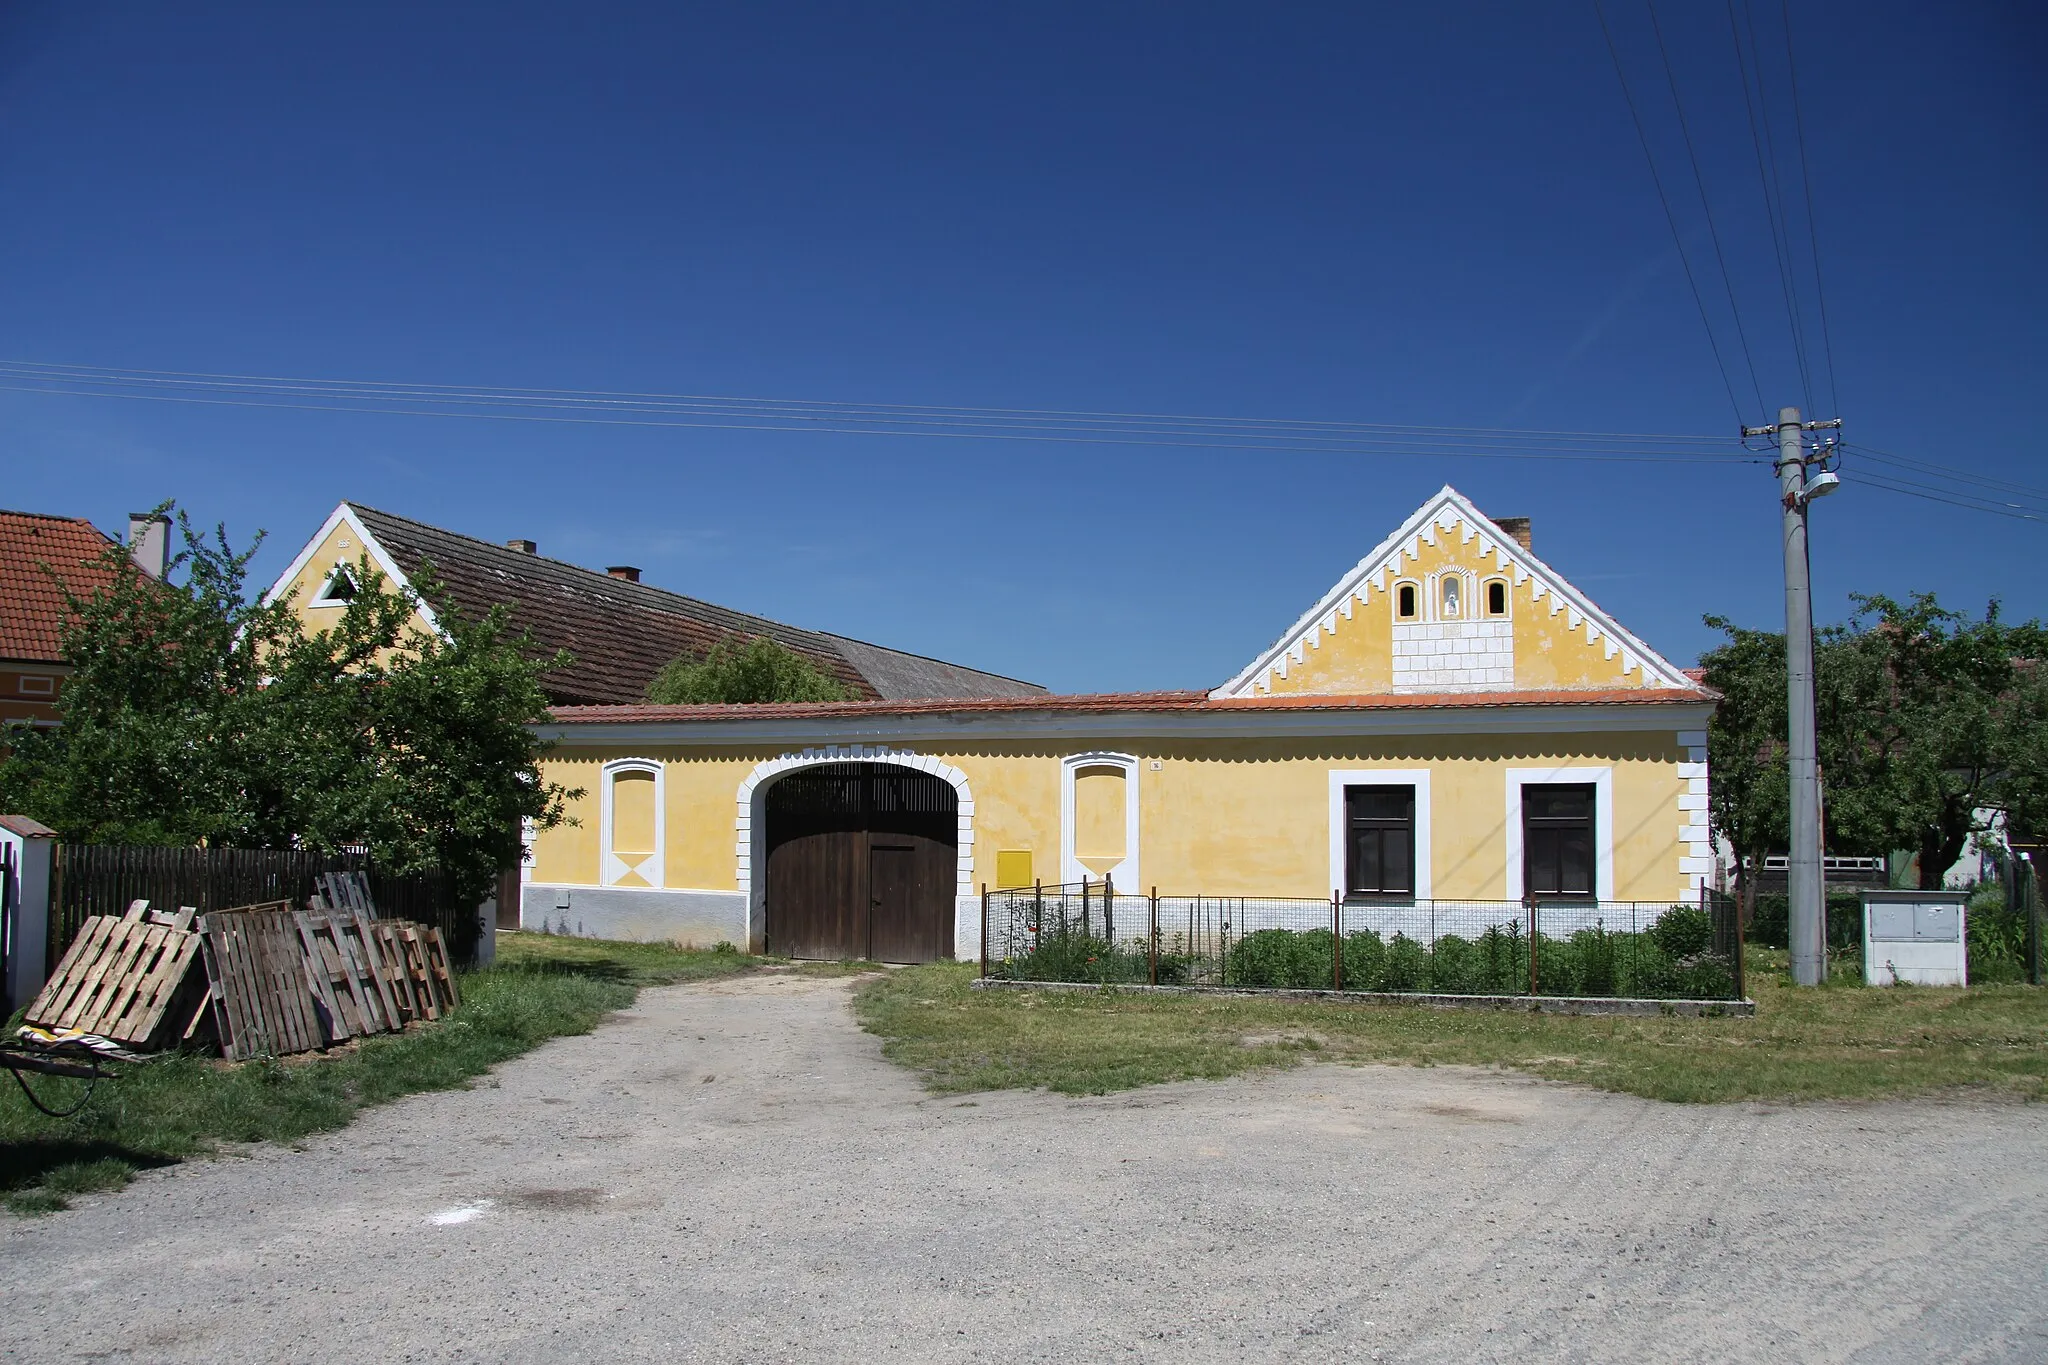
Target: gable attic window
{"x":1497,"y":597}
{"x":1404,"y":602}
{"x":1454,"y":593}
{"x":339,"y":590}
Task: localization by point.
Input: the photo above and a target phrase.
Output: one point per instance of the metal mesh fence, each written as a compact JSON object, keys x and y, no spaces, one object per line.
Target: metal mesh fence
{"x":1087,"y":932}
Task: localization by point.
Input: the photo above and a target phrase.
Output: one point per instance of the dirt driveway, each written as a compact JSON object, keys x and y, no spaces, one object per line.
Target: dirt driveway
{"x":732,"y":1173}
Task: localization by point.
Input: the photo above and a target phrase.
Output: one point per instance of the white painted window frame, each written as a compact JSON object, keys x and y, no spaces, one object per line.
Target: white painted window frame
{"x":325,"y":597}
{"x":1125,"y":873}
{"x":610,"y":868}
{"x":1418,"y":778}
{"x":1602,"y":780}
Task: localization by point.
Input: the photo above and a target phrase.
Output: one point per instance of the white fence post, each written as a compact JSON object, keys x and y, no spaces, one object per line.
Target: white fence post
{"x":28,"y":905}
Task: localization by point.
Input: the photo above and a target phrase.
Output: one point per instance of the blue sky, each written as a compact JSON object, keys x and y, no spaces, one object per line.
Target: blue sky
{"x":1432,"y":215}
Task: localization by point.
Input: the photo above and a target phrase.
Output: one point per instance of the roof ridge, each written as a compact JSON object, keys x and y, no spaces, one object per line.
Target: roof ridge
{"x":619,"y":585}
{"x":86,"y":522}
{"x":928,"y":658}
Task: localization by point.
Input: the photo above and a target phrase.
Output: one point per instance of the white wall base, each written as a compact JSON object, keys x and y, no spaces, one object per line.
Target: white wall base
{"x":699,"y":919}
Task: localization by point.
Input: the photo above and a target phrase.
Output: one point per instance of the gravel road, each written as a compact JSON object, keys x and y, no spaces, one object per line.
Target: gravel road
{"x":730,"y":1172}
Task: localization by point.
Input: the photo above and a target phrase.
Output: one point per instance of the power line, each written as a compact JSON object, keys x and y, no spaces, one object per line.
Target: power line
{"x":795,"y":408}
{"x":1926,"y":467}
{"x":1874,"y":482}
{"x":1812,"y":232}
{"x":1773,"y":191}
{"x":1363,"y":447}
{"x":1988,"y":500}
{"x":1706,"y":205}
{"x":1677,"y":238}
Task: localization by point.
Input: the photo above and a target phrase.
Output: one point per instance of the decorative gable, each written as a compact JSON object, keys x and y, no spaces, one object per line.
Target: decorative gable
{"x":1450,"y":602}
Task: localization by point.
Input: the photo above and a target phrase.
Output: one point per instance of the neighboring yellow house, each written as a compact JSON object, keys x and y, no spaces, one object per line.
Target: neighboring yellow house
{"x":1452,"y":722}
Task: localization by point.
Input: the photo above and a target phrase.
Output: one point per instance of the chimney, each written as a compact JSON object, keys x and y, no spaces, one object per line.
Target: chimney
{"x":624,"y":571}
{"x":1517,"y":529}
{"x":149,"y":542}
{"x":525,"y":547}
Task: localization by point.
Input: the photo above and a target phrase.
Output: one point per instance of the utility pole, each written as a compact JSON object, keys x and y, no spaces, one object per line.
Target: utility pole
{"x":1806,"y":920}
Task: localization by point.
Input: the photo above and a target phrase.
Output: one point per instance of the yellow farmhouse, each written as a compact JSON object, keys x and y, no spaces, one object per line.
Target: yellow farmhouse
{"x":1451,"y":722}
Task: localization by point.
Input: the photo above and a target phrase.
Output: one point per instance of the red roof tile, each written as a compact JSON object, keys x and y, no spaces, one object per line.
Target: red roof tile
{"x":31,"y":600}
{"x":1123,"y":702}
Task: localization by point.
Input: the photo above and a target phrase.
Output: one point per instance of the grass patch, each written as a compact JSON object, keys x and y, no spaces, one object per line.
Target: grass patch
{"x":1838,"y":1042}
{"x":179,"y":1107}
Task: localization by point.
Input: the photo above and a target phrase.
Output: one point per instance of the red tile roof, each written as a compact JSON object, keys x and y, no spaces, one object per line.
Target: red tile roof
{"x":31,"y":601}
{"x":1124,"y":702}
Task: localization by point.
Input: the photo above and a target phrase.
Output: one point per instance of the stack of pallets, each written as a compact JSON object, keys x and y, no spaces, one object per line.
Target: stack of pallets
{"x":258,"y":980}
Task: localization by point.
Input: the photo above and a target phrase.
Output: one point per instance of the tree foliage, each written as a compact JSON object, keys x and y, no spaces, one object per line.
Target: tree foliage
{"x":1926,"y":721}
{"x":198,"y":714}
{"x":755,"y":670}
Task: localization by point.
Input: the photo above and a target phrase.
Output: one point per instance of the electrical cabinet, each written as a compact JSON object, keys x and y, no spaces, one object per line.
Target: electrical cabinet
{"x":1915,"y":937}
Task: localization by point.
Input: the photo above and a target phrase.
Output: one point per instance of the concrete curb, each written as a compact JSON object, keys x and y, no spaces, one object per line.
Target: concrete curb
{"x":1529,"y":1004}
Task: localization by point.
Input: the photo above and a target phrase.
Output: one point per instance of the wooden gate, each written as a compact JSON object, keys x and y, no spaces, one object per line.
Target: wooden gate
{"x":861,"y":863}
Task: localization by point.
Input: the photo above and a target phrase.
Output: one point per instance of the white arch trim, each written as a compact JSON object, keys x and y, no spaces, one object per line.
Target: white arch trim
{"x":749,"y":828}
{"x":613,"y":868}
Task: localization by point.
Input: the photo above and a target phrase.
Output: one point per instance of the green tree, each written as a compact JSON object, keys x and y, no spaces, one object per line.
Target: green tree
{"x":197,"y":714}
{"x":1749,"y":797}
{"x":1927,"y":724}
{"x":1934,"y":722}
{"x":755,"y":670}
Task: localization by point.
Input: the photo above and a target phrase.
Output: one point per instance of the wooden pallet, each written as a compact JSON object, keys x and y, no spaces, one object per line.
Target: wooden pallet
{"x":257,"y":972}
{"x":345,"y":891}
{"x":350,"y":980}
{"x":120,"y":979}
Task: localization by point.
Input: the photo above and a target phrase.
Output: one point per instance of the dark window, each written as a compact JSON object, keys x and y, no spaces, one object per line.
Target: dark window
{"x":1381,"y":856}
{"x":1557,"y":840}
{"x":1496,"y":599}
{"x":1405,"y":599}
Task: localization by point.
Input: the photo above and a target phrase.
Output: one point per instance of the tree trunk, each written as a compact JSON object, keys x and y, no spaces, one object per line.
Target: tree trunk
{"x":1938,"y":853}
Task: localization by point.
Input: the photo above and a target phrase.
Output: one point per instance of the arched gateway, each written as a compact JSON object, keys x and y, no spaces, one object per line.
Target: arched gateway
{"x":861,"y":863}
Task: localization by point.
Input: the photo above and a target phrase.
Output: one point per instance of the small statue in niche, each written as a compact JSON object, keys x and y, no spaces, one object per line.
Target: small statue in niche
{"x":1452,"y":591}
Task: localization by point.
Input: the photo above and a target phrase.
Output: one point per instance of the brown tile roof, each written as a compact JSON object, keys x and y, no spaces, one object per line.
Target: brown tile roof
{"x":621,"y":632}
{"x":1124,"y":702}
{"x":31,"y":601}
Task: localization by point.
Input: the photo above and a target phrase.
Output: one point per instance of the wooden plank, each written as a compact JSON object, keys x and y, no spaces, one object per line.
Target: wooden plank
{"x":63,"y":985}
{"x":183,"y":919}
{"x":255,"y":1031}
{"x":216,"y":1009}
{"x":118,"y":949}
{"x":137,"y":910}
{"x":373,"y":1000}
{"x":320,"y":978}
{"x":444,"y":973}
{"x":422,"y":972}
{"x":281,"y":981}
{"x":342,"y":988}
{"x":240,"y":1038}
{"x":390,"y":985}
{"x":201,"y":1022}
{"x":153,"y":994}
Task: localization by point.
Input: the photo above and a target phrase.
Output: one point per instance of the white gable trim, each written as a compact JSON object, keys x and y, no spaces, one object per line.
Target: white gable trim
{"x":1446,"y":509}
{"x":344,"y":515}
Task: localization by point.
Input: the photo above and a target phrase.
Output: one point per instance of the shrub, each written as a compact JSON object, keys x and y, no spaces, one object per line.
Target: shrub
{"x":1407,"y":966}
{"x":1682,"y":931}
{"x":1995,"y":939}
{"x":1594,"y":952}
{"x":1281,"y":958}
{"x":1365,"y":961}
